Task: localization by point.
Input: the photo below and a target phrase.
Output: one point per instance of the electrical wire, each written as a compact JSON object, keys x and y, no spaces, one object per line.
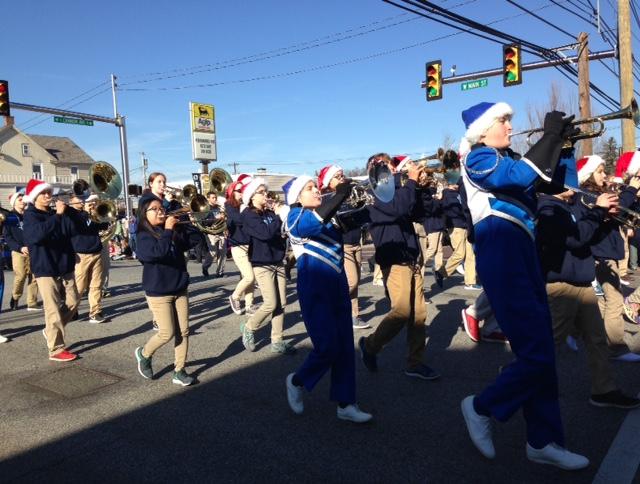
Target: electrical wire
{"x":72,"y":106}
{"x":28,"y":121}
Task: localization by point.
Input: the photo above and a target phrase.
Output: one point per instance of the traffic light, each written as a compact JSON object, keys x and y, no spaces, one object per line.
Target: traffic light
{"x":512,"y":67}
{"x":434,"y":80}
{"x":4,"y":99}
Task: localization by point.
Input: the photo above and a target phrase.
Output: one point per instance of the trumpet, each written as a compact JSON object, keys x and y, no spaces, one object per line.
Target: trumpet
{"x":630,"y":112}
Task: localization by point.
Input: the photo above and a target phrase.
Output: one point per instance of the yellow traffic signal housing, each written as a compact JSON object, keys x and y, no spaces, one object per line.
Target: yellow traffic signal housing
{"x":4,"y":99}
{"x":511,"y":63}
{"x":434,"y":80}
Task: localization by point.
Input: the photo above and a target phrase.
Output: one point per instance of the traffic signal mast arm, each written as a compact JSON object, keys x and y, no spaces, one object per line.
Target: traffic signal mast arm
{"x":525,"y":67}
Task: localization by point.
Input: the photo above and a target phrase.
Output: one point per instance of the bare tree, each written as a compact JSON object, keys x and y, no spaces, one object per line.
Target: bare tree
{"x":558,"y":100}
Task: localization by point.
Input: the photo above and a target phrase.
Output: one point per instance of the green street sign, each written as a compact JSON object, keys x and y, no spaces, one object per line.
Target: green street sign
{"x":76,"y":121}
{"x":465,"y":86}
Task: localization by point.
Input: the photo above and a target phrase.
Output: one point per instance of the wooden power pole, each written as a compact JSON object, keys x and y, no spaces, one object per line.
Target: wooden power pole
{"x":626,"y":73}
{"x":584,"y":93}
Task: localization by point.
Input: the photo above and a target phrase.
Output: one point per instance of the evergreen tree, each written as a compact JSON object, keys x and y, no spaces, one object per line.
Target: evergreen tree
{"x":609,"y":152}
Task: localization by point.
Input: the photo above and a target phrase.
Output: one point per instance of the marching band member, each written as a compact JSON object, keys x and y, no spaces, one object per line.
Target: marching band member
{"x":161,"y":247}
{"x":501,"y":199}
{"x":456,"y":221}
{"x":215,"y":244}
{"x":89,"y":269}
{"x":323,"y":291}
{"x":47,"y":234}
{"x":20,"y":260}
{"x":266,"y":252}
{"x":398,"y":254}
{"x":328,"y":179}
{"x":239,"y":243}
{"x":564,"y":234}
{"x":608,"y":249}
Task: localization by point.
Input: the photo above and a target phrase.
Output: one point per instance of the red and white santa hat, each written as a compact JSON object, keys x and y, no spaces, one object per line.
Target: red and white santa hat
{"x":249,"y":189}
{"x":34,"y":188}
{"x":628,"y":164}
{"x":399,"y":161}
{"x":587,"y":165}
{"x":13,"y":198}
{"x":326,"y":174}
{"x":243,"y":179}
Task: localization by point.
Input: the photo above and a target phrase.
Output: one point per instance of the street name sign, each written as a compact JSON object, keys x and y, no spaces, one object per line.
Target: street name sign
{"x":465,"y":86}
{"x":76,"y":121}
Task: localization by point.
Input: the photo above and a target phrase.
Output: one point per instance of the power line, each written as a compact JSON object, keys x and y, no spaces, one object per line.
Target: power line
{"x":64,"y":103}
{"x":73,"y":106}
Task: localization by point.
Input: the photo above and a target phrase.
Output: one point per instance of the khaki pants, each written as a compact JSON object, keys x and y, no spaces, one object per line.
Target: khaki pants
{"x":404,"y":285}
{"x":576,"y":308}
{"x":434,"y":249}
{"x":422,"y":243}
{"x":623,"y":265}
{"x":611,"y":304}
{"x":352,"y":262}
{"x":106,"y":265}
{"x":273,"y":285}
{"x":171,"y":313}
{"x":22,"y":268}
{"x":217,"y":252}
{"x":244,"y":288}
{"x":89,"y":275}
{"x":57,"y":315}
{"x":462,"y":252}
{"x":377,"y":273}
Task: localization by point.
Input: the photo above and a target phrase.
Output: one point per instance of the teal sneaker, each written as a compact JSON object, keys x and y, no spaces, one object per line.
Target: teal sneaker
{"x":144,"y":364}
{"x":247,"y":339}
{"x":182,"y":378}
{"x":283,"y":348}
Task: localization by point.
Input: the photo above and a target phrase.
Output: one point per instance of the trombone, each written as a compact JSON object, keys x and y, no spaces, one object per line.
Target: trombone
{"x":630,"y":112}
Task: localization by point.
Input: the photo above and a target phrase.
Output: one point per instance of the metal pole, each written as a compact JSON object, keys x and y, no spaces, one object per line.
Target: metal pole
{"x":122,"y":128}
{"x":123,"y":146}
{"x":144,"y":170}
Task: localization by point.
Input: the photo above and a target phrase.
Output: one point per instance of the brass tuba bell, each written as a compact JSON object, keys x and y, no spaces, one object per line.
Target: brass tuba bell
{"x":219,"y":181}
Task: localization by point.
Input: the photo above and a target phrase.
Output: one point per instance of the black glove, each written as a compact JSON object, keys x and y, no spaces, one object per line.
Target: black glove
{"x":331,"y":204}
{"x":344,"y":188}
{"x":570,"y":130}
{"x":554,"y":123}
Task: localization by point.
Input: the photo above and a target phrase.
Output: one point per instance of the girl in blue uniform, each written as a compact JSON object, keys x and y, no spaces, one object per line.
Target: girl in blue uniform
{"x":501,"y":193}
{"x":323,"y":292}
{"x":161,"y":247}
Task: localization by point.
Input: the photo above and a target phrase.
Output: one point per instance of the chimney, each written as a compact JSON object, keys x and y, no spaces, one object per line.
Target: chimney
{"x":9,"y":120}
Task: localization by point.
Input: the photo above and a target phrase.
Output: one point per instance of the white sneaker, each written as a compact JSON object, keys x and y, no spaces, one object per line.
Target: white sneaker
{"x":294,"y":396}
{"x":359,"y":323}
{"x":34,"y":308}
{"x":460,"y":269}
{"x":479,"y":428}
{"x":3,"y":339}
{"x":557,"y":456}
{"x":379,"y":282}
{"x":353,"y":414}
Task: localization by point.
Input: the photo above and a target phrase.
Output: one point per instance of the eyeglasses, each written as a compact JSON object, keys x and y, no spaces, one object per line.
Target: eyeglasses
{"x":237,"y":191}
{"x":260,"y":192}
{"x":156,"y":209}
{"x":339,"y":176}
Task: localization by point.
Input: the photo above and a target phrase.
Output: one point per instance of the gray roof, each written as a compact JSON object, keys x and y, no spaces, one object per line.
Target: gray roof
{"x":62,"y":149}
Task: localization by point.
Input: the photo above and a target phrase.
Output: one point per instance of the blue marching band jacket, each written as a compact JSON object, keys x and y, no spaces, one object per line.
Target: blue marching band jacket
{"x":310,"y":237}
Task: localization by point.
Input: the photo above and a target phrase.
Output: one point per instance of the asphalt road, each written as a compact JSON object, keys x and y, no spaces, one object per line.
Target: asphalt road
{"x":97,"y":420}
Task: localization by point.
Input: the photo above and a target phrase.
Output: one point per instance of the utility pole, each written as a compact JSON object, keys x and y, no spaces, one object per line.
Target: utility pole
{"x":584,"y":93}
{"x":626,"y":73}
{"x":235,"y":165}
{"x":145,"y":165}
{"x":124,"y":151}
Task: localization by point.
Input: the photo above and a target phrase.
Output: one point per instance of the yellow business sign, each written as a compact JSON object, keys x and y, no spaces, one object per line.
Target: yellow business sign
{"x":202,"y":117}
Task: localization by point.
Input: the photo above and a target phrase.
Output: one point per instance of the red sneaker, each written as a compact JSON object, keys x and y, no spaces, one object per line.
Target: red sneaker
{"x":471,"y":326}
{"x":495,"y":337}
{"x":63,"y":356}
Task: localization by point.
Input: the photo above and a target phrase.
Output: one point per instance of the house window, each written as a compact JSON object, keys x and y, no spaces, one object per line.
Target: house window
{"x":25,"y":149}
{"x":37,"y":171}
{"x":74,"y":173}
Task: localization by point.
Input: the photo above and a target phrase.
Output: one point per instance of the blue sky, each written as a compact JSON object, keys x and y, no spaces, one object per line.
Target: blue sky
{"x":369,"y":101}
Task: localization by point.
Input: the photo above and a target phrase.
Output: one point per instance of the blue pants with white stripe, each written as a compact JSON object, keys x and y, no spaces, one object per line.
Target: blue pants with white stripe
{"x":508,"y":265}
{"x":326,"y":309}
